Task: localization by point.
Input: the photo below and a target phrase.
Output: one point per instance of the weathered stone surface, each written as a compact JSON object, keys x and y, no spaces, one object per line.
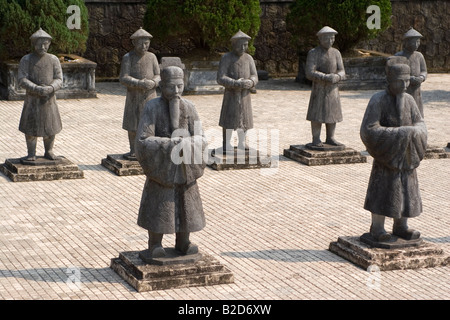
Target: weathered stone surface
{"x":147,"y":277}
{"x":364,"y":73}
{"x":42,"y":170}
{"x":310,"y":157}
{"x":426,"y":255}
{"x":201,"y":78}
{"x":122,"y":166}
{"x":250,"y":159}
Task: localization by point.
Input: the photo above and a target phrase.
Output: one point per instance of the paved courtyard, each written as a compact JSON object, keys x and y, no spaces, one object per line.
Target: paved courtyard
{"x":271,"y":228}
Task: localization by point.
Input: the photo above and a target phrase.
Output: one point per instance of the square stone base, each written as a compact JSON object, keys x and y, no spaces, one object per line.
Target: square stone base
{"x":205,"y":271}
{"x":425,"y":255}
{"x":122,"y":166}
{"x":434,"y":152}
{"x":239,"y":159}
{"x":19,"y":170}
{"x":302,"y":154}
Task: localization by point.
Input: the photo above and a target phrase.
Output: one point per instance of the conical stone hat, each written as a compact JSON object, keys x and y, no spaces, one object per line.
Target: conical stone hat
{"x":326,"y":30}
{"x":141,"y":33}
{"x":240,"y":35}
{"x":40,"y":34}
{"x":412,"y":34}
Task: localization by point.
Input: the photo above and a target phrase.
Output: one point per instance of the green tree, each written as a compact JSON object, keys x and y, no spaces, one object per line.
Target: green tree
{"x":209,"y":24}
{"x":348,"y":17}
{"x":19,"y":19}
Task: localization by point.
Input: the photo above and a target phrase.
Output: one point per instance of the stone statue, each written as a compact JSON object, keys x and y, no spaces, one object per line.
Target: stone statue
{"x":325,"y":68}
{"x":171,"y":200}
{"x":237,"y":73}
{"x":40,"y":74}
{"x":395,"y":135}
{"x":416,"y":61}
{"x":140,"y":74}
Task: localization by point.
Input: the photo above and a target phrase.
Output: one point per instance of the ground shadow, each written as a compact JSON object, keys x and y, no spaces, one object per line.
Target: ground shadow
{"x":65,"y":275}
{"x":438,"y":240}
{"x":286,"y":255}
{"x":435,"y":96}
{"x":92,"y":167}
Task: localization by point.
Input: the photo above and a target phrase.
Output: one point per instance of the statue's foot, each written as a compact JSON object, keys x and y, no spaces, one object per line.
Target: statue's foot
{"x":158,"y":252}
{"x":333,"y":142}
{"x":317,"y":143}
{"x":380,"y":235}
{"x":186,"y":248}
{"x":50,"y":156}
{"x":407,"y":234}
{"x":30,"y":158}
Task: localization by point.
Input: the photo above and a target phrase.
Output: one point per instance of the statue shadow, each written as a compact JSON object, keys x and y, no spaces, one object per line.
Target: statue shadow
{"x":438,"y":240}
{"x":92,"y":167}
{"x":65,"y":275}
{"x":286,"y":255}
{"x":435,"y":96}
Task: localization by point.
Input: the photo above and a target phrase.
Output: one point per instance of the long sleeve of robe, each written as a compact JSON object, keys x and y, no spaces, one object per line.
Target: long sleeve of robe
{"x":396,"y":137}
{"x":170,"y":200}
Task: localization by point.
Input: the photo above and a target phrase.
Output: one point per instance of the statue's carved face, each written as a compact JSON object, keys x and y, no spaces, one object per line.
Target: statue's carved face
{"x":398,"y":83}
{"x":141,"y":45}
{"x":172,"y":88}
{"x":41,"y":46}
{"x":327,"y":40}
{"x":412,"y":44}
{"x":240,"y":46}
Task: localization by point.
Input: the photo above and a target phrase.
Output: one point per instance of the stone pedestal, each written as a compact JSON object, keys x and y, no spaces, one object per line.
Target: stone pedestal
{"x":202,"y":78}
{"x":238,"y":159}
{"x":122,"y":165}
{"x":20,"y":170}
{"x":324,"y":155}
{"x":401,"y":254}
{"x":434,"y":152}
{"x":175,"y":272}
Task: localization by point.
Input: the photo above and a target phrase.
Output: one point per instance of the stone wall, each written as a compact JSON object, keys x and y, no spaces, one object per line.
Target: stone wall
{"x":274,"y":52}
{"x":112,"y":22}
{"x":431,"y":19}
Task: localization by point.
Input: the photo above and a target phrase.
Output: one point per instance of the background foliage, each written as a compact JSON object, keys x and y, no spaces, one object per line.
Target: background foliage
{"x":19,"y":19}
{"x":348,"y":17}
{"x":209,"y":24}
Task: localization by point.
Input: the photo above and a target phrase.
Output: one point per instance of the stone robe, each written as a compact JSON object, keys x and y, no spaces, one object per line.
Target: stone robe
{"x":133,"y":69}
{"x":170,"y":200}
{"x":40,"y":115}
{"x":324,"y":104}
{"x":418,"y":67}
{"x":396,"y":137}
{"x":236,"y":110}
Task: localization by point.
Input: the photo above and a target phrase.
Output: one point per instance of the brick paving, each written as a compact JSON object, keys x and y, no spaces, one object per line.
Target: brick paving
{"x":271,"y":228}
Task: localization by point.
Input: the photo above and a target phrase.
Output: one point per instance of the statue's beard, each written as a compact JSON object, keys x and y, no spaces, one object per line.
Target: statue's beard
{"x":174,"y":110}
{"x":400,"y":101}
